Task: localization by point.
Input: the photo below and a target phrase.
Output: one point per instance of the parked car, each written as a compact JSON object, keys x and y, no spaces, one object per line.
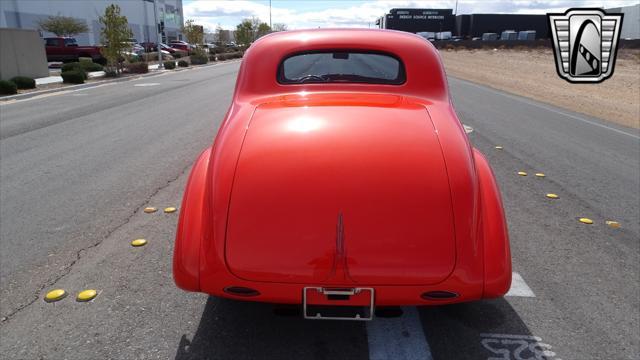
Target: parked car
{"x":138,"y":49}
{"x":167,"y":48}
{"x":183,"y":47}
{"x":67,"y":49}
{"x":149,"y":46}
{"x":354,"y":183}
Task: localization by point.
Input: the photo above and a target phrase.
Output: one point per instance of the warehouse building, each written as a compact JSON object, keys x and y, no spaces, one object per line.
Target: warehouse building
{"x":474,"y":25}
{"x":418,"y":20}
{"x":466,"y":26}
{"x":140,"y":14}
{"x":630,"y":23}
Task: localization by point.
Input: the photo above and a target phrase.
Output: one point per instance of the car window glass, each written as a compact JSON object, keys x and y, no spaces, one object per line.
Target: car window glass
{"x":342,"y":66}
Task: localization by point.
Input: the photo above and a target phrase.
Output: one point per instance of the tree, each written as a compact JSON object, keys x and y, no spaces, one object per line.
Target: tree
{"x":244,"y":33}
{"x":63,"y":25}
{"x":250,"y":30}
{"x":279,"y":27}
{"x":262,"y":30}
{"x":115,"y":33}
{"x":193,"y":33}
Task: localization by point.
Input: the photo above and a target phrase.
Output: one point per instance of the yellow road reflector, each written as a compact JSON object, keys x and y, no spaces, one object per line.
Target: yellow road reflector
{"x":499,"y":147}
{"x":150,"y":210}
{"x":139,"y":242}
{"x":585,"y":220}
{"x":86,"y":295}
{"x":613,"y":224}
{"x":552,"y":196}
{"x":55,"y":295}
{"x":540,"y":175}
{"x":522,"y":173}
{"x":170,"y":210}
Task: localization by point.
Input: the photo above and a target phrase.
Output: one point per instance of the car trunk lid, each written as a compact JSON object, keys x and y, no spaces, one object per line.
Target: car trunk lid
{"x":341,"y":194}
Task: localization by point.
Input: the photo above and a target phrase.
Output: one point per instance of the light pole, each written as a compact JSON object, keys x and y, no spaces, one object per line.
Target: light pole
{"x":269,"y":14}
{"x":158,"y":36}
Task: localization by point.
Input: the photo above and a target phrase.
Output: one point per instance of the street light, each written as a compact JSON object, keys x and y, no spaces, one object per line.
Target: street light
{"x":158,"y":36}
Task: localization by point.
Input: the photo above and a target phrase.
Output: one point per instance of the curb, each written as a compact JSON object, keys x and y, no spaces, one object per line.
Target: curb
{"x":11,"y":98}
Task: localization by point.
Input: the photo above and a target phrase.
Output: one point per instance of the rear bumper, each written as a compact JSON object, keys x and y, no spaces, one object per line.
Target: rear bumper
{"x":280,"y":293}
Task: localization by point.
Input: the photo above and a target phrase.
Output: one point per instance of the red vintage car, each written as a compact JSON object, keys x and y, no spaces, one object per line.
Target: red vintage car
{"x":342,"y":180}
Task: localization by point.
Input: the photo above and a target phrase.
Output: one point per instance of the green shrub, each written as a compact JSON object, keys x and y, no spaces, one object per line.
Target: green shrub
{"x":74,"y":76}
{"x":212,"y":57}
{"x":76,"y":66}
{"x":8,"y":88}
{"x":71,"y":66}
{"x":91,"y":66}
{"x":23,"y":82}
{"x":199,"y":59}
{"x":178,"y":54}
{"x":138,"y":68}
{"x":169,"y":65}
{"x":183,"y":63}
{"x":222,"y":57}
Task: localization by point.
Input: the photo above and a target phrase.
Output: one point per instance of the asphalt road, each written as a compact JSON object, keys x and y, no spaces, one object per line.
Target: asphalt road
{"x":77,"y":168}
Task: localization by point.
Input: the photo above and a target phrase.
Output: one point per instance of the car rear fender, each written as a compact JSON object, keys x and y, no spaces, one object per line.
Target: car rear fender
{"x":186,"y":255}
{"x":493,"y":232}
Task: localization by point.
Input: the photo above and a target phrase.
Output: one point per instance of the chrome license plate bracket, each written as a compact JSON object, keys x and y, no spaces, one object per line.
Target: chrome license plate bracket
{"x":320,"y":303}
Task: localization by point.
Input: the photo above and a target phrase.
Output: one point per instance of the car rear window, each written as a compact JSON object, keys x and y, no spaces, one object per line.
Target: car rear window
{"x":342,"y":67}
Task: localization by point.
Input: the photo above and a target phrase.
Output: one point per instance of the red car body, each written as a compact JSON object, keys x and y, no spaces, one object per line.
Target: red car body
{"x":67,"y":49}
{"x":180,"y":47}
{"x":343,"y":186}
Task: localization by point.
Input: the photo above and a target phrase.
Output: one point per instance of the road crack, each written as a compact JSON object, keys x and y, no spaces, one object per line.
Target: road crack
{"x":66,"y":270}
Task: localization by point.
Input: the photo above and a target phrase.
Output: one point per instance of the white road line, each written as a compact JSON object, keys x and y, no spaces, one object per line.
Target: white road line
{"x":147,"y":84}
{"x":398,"y":338}
{"x":515,"y":97}
{"x":56,"y":93}
{"x":468,"y":129}
{"x":511,"y":336}
{"x":519,"y":287}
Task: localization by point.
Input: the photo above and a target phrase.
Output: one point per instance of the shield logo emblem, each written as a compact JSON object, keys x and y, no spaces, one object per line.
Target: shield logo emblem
{"x":585,"y":43}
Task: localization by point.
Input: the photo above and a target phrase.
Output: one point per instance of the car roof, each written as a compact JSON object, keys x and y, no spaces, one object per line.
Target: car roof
{"x":423,"y":67}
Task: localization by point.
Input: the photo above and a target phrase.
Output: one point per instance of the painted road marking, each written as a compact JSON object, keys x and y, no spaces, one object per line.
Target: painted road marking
{"x":398,"y":338}
{"x":532,"y":102}
{"x":468,"y":129}
{"x":519,"y":287}
{"x":62,"y":92}
{"x":519,"y":347}
{"x":147,"y":84}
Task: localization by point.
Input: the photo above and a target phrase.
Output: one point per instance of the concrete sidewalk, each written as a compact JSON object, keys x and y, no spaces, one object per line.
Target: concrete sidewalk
{"x":57,"y":79}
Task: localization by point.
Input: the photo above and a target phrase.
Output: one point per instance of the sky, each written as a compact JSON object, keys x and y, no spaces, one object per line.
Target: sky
{"x":335,"y":13}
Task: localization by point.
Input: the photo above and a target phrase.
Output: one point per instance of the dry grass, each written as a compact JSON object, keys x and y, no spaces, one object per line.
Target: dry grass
{"x":532,"y":73}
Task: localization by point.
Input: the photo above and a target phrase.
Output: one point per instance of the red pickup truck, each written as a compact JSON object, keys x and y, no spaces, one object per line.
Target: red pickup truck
{"x":67,"y":49}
